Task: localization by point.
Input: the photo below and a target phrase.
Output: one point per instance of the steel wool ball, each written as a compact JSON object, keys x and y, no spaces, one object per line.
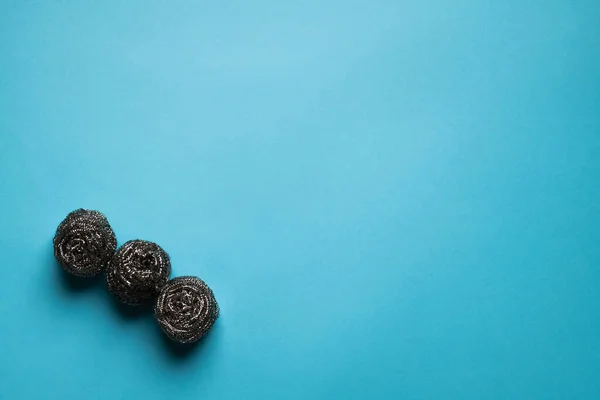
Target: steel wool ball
{"x":186,"y":309}
{"x":84,"y":242}
{"x":137,"y":272}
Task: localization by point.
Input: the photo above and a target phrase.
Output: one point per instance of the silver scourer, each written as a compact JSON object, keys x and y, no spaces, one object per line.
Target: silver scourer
{"x":84,"y":243}
{"x":186,"y":309}
{"x":137,"y":271}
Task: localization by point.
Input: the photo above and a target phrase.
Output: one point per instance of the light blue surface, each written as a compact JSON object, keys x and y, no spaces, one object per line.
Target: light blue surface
{"x":390,"y":199}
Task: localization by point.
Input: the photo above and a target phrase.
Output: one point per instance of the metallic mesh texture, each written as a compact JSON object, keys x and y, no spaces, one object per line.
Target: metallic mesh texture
{"x":137,"y":271}
{"x":84,"y":243}
{"x":186,"y":309}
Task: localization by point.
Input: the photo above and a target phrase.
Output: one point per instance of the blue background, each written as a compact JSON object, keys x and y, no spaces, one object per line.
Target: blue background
{"x":390,"y":199}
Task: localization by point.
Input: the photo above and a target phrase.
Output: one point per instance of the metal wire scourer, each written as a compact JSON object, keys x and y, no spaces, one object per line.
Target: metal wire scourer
{"x":137,"y":271}
{"x":84,"y":243}
{"x":186,"y":309}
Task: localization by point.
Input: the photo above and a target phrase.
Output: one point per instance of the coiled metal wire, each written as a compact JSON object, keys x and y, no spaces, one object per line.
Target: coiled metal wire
{"x":84,"y":243}
{"x":137,"y":271}
{"x":186,"y":309}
